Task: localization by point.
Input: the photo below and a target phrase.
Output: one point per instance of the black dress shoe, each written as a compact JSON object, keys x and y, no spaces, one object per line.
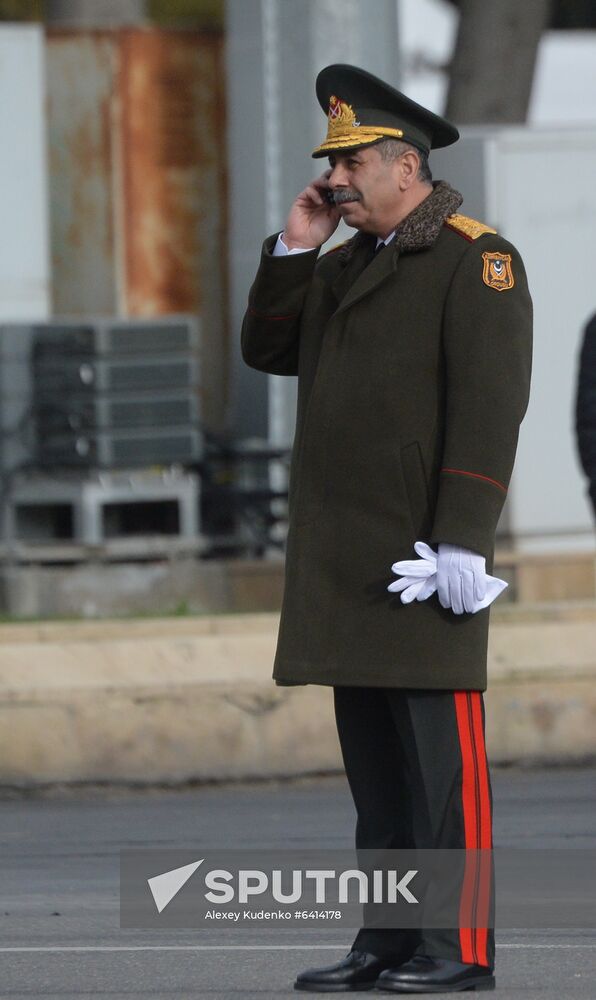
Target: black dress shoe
{"x":423,"y":974}
{"x":357,"y":971}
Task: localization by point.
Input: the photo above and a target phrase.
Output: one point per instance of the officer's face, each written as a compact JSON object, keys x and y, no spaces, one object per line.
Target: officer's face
{"x":368,"y":190}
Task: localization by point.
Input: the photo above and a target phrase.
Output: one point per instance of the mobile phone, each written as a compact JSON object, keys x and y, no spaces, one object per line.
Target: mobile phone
{"x":329,"y":196}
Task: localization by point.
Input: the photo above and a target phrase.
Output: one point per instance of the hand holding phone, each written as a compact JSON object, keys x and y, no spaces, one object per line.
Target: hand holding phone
{"x":314,"y":216}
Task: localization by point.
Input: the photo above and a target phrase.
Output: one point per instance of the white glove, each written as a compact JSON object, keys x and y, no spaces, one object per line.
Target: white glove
{"x":419,"y":579}
{"x":461,"y":578}
{"x":457,"y":574}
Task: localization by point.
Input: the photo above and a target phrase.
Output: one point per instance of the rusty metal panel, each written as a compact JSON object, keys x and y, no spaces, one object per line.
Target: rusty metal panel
{"x":138,"y":181}
{"x":173,"y":186}
{"x":80,"y":68}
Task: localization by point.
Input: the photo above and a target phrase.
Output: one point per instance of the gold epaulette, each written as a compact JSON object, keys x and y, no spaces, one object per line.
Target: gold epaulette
{"x":470,"y":228}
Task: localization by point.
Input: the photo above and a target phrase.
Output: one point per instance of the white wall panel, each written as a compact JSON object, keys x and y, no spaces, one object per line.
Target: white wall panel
{"x":24,"y":259}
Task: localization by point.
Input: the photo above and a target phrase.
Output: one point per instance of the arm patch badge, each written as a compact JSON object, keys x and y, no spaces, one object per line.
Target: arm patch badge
{"x":497,"y":272}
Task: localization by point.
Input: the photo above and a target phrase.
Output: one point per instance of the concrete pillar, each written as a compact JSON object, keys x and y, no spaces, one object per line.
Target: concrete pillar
{"x":275,"y":48}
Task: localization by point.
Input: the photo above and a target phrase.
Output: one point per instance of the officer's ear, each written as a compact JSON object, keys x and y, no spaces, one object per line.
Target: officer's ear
{"x":409,"y":165}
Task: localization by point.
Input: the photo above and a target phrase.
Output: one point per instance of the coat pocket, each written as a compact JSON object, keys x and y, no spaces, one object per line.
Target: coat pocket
{"x":417,"y":490}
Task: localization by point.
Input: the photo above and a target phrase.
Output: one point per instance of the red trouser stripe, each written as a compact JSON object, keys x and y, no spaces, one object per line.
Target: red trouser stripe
{"x":484,"y":888}
{"x":475,"y":897}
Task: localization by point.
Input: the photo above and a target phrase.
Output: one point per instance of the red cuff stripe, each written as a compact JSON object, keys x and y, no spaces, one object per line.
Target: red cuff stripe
{"x":254,"y":312}
{"x":478,"y":475}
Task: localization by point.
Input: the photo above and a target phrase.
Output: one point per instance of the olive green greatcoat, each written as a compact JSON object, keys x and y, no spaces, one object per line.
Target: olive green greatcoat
{"x":413,"y":378}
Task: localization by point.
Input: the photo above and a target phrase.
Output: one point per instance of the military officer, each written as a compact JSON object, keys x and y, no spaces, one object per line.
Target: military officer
{"x":412,"y":347}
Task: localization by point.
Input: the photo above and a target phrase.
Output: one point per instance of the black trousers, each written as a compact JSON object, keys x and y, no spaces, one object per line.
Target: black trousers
{"x":417,"y":769}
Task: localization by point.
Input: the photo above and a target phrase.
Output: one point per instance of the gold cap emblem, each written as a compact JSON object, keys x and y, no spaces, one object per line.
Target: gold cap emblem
{"x":345,"y":131}
{"x":341,"y":117}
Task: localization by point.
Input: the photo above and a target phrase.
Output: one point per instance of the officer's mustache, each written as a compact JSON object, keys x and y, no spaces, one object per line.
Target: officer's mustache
{"x":343,"y":196}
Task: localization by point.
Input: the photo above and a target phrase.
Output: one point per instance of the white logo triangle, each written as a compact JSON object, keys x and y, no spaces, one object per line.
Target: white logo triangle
{"x":165,"y":886}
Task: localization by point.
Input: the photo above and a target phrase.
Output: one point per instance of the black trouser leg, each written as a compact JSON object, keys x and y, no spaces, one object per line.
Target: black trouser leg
{"x":416,"y":765}
{"x":442,"y":736}
{"x":376,"y":772}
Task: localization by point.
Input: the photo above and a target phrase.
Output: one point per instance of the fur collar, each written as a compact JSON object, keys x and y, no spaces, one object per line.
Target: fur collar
{"x":420,"y":228}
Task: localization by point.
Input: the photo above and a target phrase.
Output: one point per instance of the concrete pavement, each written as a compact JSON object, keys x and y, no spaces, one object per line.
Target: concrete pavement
{"x":59,"y":888}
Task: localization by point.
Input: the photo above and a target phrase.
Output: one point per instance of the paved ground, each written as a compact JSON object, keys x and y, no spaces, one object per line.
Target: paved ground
{"x":59,"y":889}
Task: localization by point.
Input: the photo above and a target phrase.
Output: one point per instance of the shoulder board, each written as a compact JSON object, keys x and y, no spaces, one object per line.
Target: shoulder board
{"x":470,"y":229}
{"x":337,"y":246}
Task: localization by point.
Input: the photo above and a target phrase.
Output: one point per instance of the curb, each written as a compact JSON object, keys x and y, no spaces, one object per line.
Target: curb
{"x":174,"y":700}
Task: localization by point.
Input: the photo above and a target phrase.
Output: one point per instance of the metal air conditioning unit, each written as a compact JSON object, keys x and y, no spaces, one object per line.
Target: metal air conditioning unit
{"x":108,"y":394}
